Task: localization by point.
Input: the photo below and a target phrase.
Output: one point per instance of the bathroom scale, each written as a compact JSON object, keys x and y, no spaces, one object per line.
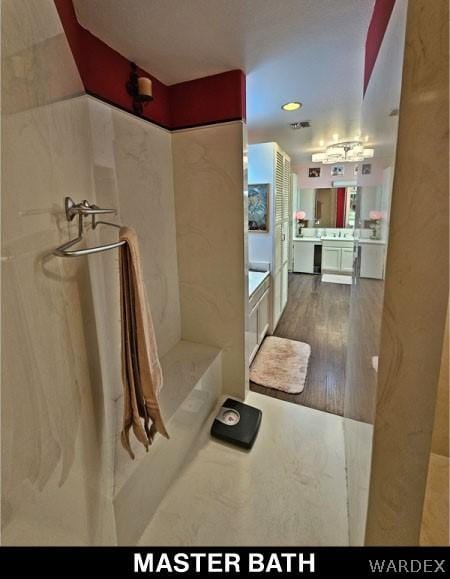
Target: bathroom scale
{"x":237,"y":423}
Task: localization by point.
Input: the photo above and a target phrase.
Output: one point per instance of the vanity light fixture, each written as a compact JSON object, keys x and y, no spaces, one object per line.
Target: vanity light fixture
{"x":140,"y":88}
{"x":291,"y":106}
{"x":344,"y":152}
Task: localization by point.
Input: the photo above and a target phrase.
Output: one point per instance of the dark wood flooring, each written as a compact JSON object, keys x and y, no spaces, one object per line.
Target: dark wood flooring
{"x":317,"y":313}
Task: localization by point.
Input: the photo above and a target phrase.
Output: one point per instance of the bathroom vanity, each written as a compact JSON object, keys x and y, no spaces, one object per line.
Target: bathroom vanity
{"x":372,"y":258}
{"x":328,"y":251}
{"x":334,"y":252}
{"x":259,"y":310}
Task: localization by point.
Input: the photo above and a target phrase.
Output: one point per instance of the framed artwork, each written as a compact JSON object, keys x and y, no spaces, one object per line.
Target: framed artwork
{"x":314,"y":172}
{"x":337,"y":170}
{"x":366,"y":169}
{"x":258,"y":207}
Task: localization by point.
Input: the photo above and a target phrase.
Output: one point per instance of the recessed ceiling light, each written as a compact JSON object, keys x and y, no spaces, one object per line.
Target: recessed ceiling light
{"x":366,"y":138}
{"x":321,"y":143}
{"x":292,"y":106}
{"x":335,"y":137}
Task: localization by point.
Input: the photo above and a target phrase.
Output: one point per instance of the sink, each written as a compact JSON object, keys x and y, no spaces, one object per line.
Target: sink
{"x":335,"y":238}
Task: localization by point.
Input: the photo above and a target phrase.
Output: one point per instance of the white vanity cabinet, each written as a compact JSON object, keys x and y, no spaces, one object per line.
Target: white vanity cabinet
{"x":252,"y":334}
{"x":347,"y":259}
{"x":258,"y":318}
{"x":331,"y":258}
{"x":337,"y":256}
{"x":372,"y":259}
{"x":303,"y":257}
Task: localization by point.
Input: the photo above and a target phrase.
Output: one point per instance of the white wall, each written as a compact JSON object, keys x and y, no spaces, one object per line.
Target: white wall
{"x":307,"y":203}
{"x":370,"y":200}
{"x":326,"y":179}
{"x":261,"y":170}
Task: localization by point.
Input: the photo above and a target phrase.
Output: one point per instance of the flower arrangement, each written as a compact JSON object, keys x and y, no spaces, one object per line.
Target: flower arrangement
{"x":375,"y":219}
{"x":302,"y":222}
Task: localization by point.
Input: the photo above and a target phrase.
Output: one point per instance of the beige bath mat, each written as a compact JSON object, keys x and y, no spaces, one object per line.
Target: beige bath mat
{"x":281,"y":364}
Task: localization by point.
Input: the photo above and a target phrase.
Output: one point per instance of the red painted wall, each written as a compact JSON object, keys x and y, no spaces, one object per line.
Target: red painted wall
{"x":340,"y":207}
{"x":104,"y":73}
{"x":206,"y":100}
{"x":380,"y":18}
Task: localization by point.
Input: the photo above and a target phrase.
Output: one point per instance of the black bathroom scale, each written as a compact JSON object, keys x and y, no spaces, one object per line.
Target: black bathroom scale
{"x":237,"y":423}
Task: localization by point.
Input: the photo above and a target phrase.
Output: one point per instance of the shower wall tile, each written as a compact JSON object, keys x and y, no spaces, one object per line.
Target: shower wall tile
{"x":132,"y":172}
{"x":143,"y":158}
{"x":358,"y":454}
{"x":56,"y":461}
{"x":37,"y":63}
{"x":367,"y":295}
{"x":416,"y":288}
{"x":209,"y":203}
{"x":61,"y":381}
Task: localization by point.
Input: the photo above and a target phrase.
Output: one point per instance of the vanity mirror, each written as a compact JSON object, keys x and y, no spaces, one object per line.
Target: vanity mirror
{"x":332,"y":207}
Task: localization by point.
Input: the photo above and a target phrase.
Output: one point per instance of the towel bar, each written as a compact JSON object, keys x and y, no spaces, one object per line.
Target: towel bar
{"x":85,"y":209}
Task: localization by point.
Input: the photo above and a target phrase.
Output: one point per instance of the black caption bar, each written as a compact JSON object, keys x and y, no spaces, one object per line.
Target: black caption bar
{"x":254,"y":561}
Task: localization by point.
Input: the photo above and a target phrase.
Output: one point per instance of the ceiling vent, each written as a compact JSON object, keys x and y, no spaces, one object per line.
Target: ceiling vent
{"x":300,"y":125}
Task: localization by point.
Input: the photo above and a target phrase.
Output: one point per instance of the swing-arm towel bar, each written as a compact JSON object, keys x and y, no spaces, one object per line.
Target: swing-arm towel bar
{"x":84,"y":209}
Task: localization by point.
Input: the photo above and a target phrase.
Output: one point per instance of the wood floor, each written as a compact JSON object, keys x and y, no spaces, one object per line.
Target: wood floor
{"x":317,"y":313}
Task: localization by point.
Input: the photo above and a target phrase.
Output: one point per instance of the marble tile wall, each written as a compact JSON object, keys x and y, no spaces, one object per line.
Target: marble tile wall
{"x":435,"y":528}
{"x":416,"y":288}
{"x":366,"y":303}
{"x":209,"y":201}
{"x":133,"y":172}
{"x":440,"y":440}
{"x":61,"y":382}
{"x":56,"y":465}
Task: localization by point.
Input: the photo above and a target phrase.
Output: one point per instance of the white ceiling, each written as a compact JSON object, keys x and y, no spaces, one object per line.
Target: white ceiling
{"x":306,"y":50}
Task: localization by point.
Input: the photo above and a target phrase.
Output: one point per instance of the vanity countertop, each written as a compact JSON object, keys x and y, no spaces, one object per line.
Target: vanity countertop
{"x":364,"y":240}
{"x":319,"y":240}
{"x":315,"y":239}
{"x":255,"y":279}
{"x":360,"y":240}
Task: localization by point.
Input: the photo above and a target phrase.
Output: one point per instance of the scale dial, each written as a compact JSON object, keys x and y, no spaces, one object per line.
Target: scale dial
{"x":228,"y":416}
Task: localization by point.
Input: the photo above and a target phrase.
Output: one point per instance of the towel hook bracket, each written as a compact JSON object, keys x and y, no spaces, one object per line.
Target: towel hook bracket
{"x":84,"y":209}
{"x":69,"y":208}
